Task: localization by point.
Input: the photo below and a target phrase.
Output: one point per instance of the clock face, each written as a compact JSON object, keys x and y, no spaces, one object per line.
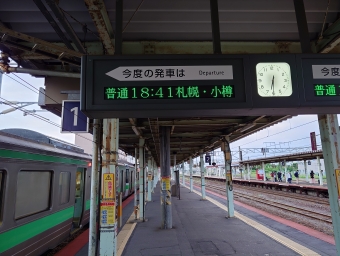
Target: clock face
{"x":273,"y":79}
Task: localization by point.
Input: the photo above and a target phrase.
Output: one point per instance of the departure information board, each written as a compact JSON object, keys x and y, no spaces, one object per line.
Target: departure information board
{"x":326,"y":90}
{"x":210,"y":85}
{"x":169,"y":92}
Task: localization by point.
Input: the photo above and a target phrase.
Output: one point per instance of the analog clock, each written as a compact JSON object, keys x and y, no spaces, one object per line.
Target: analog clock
{"x":273,"y":79}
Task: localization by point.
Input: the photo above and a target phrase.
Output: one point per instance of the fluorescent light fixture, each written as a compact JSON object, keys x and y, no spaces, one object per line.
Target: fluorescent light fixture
{"x":247,"y":127}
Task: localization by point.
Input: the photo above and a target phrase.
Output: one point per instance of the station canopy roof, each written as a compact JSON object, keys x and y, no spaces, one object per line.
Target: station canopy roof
{"x":54,"y":34}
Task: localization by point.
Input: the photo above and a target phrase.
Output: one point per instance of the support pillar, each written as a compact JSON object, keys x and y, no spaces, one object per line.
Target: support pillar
{"x":248,"y":171}
{"x":286,"y":179}
{"x":149,"y":176}
{"x":319,"y":170}
{"x":330,"y":140}
{"x":153,"y":175}
{"x":264,"y":172}
{"x":202,"y":175}
{"x":174,"y":168}
{"x":228,"y":177}
{"x":183,"y":178}
{"x":108,"y":201}
{"x":93,"y":240}
{"x":141,"y":180}
{"x":166,"y":220}
{"x":136,"y":201}
{"x":156,"y":175}
{"x":190,"y":170}
{"x":306,"y":172}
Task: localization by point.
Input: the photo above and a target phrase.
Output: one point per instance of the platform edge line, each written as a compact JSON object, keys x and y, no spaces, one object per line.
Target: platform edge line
{"x":121,"y":247}
{"x":302,"y":250}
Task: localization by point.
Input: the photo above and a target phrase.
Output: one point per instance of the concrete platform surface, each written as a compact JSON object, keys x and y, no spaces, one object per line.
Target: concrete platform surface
{"x":200,"y":228}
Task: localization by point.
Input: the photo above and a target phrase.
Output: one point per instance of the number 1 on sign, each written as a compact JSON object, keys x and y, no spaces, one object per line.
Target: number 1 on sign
{"x":75,"y":115}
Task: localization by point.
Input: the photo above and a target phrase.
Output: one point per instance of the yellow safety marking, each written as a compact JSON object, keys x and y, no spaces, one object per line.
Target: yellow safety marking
{"x":124,"y":235}
{"x":302,"y":250}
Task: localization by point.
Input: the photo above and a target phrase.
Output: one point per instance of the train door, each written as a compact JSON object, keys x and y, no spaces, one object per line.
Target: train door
{"x":127,"y":183}
{"x":79,"y":197}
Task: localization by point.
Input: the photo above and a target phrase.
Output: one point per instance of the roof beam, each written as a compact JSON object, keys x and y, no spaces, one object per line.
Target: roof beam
{"x":135,"y":128}
{"x":101,"y":19}
{"x":209,"y":122}
{"x":301,"y":19}
{"x":66,"y":25}
{"x":196,"y":134}
{"x":154,"y":127}
{"x":52,"y":22}
{"x":39,"y":46}
{"x":186,"y":47}
{"x":329,"y":39}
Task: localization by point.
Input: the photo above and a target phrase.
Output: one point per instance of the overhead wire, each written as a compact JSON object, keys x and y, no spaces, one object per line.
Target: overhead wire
{"x":277,"y":133}
{"x":38,"y":91}
{"x":7,"y":102}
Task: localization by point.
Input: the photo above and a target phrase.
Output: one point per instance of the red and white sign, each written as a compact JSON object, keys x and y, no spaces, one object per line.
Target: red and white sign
{"x":313,"y":141}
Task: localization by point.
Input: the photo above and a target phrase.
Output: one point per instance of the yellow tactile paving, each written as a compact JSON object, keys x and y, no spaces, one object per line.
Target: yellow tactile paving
{"x":302,"y":250}
{"x":125,"y":233}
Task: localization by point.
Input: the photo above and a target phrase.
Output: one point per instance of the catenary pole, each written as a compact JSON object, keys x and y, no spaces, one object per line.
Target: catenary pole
{"x":202,"y":175}
{"x":108,"y":222}
{"x":94,"y":189}
{"x":190,"y":169}
{"x":229,"y":177}
{"x":330,"y":140}
{"x":166,"y":212}
{"x":141,"y":179}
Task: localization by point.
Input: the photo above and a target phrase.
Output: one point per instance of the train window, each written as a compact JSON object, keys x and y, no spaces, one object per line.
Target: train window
{"x":127,"y":176}
{"x":33,"y":192}
{"x":64,"y":187}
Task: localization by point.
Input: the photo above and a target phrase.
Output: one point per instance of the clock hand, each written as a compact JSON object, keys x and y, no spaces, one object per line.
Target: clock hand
{"x":273,"y":84}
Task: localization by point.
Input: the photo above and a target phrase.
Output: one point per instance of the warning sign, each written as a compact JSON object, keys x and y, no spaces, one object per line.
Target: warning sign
{"x":109,"y":190}
{"x":228,"y":176}
{"x":166,"y":183}
{"x":107,"y":212}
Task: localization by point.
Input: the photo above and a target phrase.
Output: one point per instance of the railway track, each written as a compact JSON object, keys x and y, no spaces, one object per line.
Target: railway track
{"x":316,"y":200}
{"x":287,"y":194}
{"x":282,"y":206}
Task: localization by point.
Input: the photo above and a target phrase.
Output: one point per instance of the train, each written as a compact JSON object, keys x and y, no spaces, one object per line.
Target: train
{"x":45,"y":191}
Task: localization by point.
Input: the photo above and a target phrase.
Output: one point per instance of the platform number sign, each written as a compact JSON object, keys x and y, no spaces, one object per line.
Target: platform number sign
{"x":72,"y":119}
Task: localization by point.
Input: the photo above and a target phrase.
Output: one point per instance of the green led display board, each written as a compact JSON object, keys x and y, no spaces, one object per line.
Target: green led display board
{"x":326,"y":90}
{"x":170,"y":92}
{"x":209,"y":85}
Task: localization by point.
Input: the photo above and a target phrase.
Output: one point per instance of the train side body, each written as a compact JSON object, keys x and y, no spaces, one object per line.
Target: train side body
{"x":44,"y":194}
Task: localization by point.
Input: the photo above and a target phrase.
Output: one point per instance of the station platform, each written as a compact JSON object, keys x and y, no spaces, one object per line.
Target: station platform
{"x":302,"y":187}
{"x":201,"y":228}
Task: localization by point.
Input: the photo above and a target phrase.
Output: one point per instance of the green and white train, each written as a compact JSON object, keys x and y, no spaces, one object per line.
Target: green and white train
{"x":44,"y":191}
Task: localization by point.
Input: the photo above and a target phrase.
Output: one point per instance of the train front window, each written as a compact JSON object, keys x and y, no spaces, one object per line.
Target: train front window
{"x":33,"y":193}
{"x":64,"y":187}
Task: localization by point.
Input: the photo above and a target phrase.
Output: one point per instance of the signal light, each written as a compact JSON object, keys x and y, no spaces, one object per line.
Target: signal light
{"x":89,"y":164}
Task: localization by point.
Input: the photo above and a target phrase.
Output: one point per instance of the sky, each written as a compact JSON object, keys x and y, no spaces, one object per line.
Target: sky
{"x":295,"y":132}
{"x":14,"y":91}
